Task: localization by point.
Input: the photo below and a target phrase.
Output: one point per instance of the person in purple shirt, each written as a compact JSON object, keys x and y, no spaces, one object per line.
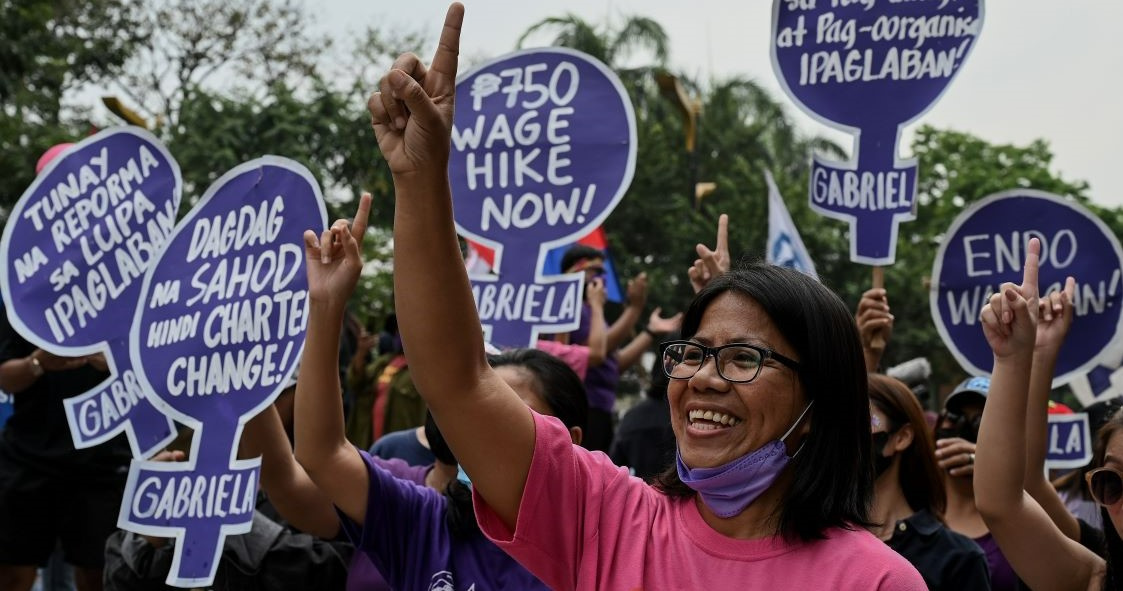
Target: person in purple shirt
{"x":417,"y":537}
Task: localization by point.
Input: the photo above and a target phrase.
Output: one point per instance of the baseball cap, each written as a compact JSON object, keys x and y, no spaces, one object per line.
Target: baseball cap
{"x":974,"y":388}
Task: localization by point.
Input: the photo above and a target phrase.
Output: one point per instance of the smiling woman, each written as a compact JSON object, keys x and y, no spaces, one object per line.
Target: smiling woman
{"x":781,"y":409}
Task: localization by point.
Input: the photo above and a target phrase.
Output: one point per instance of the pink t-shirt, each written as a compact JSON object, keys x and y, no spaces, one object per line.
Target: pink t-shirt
{"x":584,"y":523}
{"x":575,"y":356}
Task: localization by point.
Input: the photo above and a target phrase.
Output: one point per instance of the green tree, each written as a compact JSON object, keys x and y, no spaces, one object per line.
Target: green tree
{"x":956,"y":169}
{"x":634,"y":49}
{"x":217,"y":45}
{"x":48,"y":48}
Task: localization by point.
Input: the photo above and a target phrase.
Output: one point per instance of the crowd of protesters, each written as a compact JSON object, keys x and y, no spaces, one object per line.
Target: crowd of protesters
{"x":768,"y":452}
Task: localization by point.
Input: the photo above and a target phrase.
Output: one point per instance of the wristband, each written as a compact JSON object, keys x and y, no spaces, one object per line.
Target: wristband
{"x":36,"y":368}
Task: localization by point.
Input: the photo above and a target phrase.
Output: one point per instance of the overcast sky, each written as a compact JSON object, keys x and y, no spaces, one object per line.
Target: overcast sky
{"x":1041,"y":69}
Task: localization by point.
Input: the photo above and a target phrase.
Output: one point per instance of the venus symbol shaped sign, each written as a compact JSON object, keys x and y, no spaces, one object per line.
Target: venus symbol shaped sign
{"x":74,"y":252}
{"x":218,"y":331}
{"x":985,"y":247}
{"x":543,"y":148}
{"x":870,"y":67}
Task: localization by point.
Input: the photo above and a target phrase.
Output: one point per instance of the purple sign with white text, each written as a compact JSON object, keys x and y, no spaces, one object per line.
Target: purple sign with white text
{"x":985,"y":247}
{"x":869,"y":68}
{"x":218,"y":331}
{"x":74,"y":251}
{"x":543,"y":148}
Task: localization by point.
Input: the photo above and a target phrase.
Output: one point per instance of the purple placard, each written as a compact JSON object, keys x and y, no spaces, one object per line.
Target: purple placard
{"x":74,"y":251}
{"x":985,"y":247}
{"x":1069,"y":441}
{"x":543,"y":148}
{"x":869,"y":68}
{"x":218,"y":331}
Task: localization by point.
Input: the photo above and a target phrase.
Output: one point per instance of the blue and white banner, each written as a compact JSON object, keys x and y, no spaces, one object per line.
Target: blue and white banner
{"x":785,"y":247}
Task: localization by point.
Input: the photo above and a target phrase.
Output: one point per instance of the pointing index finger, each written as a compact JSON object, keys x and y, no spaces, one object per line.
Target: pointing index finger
{"x":359,"y":225}
{"x":723,"y":233}
{"x":1029,"y":275}
{"x":448,"y":50}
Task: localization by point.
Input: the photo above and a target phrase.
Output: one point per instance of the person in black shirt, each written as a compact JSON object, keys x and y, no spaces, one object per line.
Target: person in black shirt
{"x":909,"y":493}
{"x":51,"y":492}
{"x":644,"y":440}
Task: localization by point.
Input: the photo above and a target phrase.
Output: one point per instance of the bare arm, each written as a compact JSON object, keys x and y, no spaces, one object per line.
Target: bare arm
{"x":17,"y":375}
{"x":645,"y":340}
{"x":598,"y":331}
{"x":1053,"y":320}
{"x":291,"y":491}
{"x":1022,"y":528}
{"x":621,"y":329}
{"x":333,"y":464}
{"x":436,"y":313}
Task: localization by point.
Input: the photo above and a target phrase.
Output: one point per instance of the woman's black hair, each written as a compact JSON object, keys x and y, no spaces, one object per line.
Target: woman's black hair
{"x":576,"y":253}
{"x":437,"y":443}
{"x":554,"y":382}
{"x":833,"y":473}
{"x":919,"y":478}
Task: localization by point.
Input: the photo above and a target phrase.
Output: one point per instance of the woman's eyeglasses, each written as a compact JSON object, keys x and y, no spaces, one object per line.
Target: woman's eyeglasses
{"x":1106,"y":485}
{"x":736,"y":362}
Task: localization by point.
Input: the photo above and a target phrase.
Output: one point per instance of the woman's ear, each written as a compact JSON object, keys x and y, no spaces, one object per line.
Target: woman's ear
{"x":576,"y":435}
{"x":902,"y":439}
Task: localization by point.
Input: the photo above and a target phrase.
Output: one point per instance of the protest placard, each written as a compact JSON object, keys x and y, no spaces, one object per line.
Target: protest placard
{"x":1104,"y":381}
{"x":218,"y":331}
{"x":985,"y":247}
{"x":1069,"y":441}
{"x":74,"y":251}
{"x":543,"y":148}
{"x":869,"y":68}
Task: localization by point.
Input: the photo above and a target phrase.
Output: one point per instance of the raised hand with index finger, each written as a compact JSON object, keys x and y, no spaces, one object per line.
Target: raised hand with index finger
{"x":412,"y":111}
{"x":711,"y":263}
{"x":1054,"y":317}
{"x":334,"y":259}
{"x":1010,"y":318}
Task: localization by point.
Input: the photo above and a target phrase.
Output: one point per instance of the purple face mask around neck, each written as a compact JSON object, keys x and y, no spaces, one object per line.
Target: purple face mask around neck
{"x":728,"y":489}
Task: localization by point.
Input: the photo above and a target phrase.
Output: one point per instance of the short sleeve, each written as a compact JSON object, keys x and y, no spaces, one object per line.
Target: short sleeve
{"x":404,"y":528}
{"x":575,"y":356}
{"x":562,"y":508}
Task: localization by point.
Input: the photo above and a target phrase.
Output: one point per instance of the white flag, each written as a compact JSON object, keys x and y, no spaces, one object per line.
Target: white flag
{"x":785,"y":247}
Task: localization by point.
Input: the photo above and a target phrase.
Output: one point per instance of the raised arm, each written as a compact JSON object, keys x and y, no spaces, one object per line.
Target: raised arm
{"x":598,"y":329}
{"x":874,"y":320}
{"x":1019,"y":524}
{"x":291,"y":491}
{"x":334,"y":263}
{"x":1054,"y":318}
{"x":620,"y":330}
{"x":436,"y":313}
{"x":657,"y":328}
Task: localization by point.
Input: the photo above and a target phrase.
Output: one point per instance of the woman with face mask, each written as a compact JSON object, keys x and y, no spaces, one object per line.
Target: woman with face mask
{"x":909,"y":498}
{"x":767,"y":398}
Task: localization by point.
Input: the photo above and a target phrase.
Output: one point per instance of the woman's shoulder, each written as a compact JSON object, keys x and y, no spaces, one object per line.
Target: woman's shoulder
{"x":860,"y":547}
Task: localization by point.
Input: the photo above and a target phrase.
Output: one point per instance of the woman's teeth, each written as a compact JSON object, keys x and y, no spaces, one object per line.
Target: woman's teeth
{"x":715,"y":420}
